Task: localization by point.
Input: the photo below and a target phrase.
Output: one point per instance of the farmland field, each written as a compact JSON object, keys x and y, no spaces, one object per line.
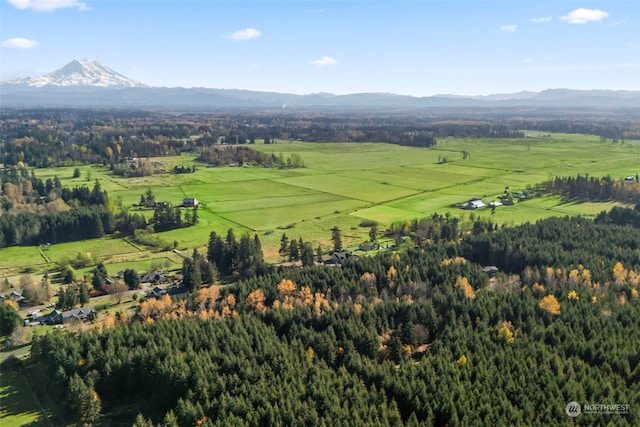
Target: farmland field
{"x":342,"y":185}
{"x":18,"y":406}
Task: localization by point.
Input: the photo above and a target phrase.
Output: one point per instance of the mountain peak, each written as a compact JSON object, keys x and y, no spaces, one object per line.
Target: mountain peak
{"x":81,"y":73}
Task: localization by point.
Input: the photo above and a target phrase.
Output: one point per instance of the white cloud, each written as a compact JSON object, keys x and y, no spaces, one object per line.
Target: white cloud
{"x":19,"y":43}
{"x":47,"y":5}
{"x":324,"y":61}
{"x":246,"y":34}
{"x":583,"y":16}
{"x":535,"y":60}
{"x":541,"y":20}
{"x":619,"y":22}
{"x":509,"y":28}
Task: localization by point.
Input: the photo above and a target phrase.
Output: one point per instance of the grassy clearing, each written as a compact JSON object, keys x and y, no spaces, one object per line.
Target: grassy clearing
{"x":104,"y":249}
{"x":16,"y":257}
{"x":18,"y":405}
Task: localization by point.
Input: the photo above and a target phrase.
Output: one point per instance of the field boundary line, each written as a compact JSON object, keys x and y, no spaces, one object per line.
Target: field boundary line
{"x":138,"y":248}
{"x":44,"y":256}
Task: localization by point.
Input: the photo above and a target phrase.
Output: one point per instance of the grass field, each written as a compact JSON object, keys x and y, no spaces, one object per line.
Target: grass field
{"x":18,"y":405}
{"x":343,"y":185}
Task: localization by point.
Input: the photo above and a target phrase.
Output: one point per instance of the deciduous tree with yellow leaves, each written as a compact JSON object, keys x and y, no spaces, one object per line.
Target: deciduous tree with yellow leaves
{"x":550,"y":304}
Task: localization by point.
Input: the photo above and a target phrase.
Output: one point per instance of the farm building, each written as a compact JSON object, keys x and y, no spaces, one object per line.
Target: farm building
{"x":338,"y":257}
{"x":190,"y":202}
{"x":475,"y":204}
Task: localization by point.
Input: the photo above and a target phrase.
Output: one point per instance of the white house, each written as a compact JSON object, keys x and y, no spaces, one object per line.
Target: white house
{"x":475,"y":204}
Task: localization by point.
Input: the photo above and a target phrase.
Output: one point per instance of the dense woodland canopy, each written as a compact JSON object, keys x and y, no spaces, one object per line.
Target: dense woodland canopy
{"x":422,"y":337}
{"x":57,"y":137}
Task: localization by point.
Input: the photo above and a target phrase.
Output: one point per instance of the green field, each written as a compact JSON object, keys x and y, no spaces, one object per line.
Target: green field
{"x":344,"y":184}
{"x":18,"y":405}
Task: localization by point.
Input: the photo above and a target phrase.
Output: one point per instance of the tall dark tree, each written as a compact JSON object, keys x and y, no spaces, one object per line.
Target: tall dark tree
{"x":373,"y":233}
{"x":306,"y":254}
{"x":294,"y":252}
{"x":83,"y":294}
{"x":191,"y":274}
{"x":98,"y":280}
{"x":284,"y":247}
{"x":131,"y":278}
{"x":336,"y":238}
{"x":9,"y":319}
{"x":67,"y":298}
{"x":68,"y":274}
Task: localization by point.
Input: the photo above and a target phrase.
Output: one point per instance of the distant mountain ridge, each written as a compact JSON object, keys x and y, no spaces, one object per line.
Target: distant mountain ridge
{"x":79,"y":73}
{"x":84,"y":83}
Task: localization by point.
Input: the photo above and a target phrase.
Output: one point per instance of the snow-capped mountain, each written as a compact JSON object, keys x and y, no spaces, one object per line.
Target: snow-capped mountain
{"x":80,"y":73}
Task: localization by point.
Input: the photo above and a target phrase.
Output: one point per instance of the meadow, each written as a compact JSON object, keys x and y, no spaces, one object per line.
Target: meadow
{"x":344,"y":185}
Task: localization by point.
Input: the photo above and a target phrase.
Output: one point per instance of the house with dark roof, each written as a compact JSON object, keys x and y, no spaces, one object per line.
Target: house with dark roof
{"x":153,"y":277}
{"x":13,"y":296}
{"x":490,"y":270}
{"x":82,"y":314}
{"x":57,"y":317}
{"x":190,"y":202}
{"x":157,"y":292}
{"x":338,"y":257}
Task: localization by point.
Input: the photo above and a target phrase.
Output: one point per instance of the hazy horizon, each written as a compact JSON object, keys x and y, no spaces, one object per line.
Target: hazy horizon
{"x":418,"y":48}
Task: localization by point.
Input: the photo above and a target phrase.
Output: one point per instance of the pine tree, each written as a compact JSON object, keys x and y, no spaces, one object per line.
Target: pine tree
{"x":336,"y":237}
{"x":294,"y":253}
{"x":83,"y":296}
{"x":191,"y":275}
{"x":284,"y":247}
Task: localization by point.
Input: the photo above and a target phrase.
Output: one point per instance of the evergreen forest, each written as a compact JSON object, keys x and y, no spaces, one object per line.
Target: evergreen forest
{"x":419,"y":337}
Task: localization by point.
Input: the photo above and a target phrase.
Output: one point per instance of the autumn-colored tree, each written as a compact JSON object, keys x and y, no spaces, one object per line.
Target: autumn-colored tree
{"x":573,"y":295}
{"x":229,"y":306}
{"x":286,"y":287}
{"x":320,"y":303}
{"x":537,"y":287}
{"x":110,"y":320}
{"x":620,"y":273}
{"x":392,"y":273}
{"x":255,"y":301}
{"x":305,"y":296}
{"x":550,"y":304}
{"x":463,"y":284}
{"x":574,"y":277}
{"x":462,"y":361}
{"x":633,"y":278}
{"x":505,"y":332}
{"x":155,"y":308}
{"x":368,"y":281}
{"x":208,"y":296}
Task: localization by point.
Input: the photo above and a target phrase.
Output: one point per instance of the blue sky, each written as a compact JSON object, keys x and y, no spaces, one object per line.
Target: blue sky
{"x":415,"y":47}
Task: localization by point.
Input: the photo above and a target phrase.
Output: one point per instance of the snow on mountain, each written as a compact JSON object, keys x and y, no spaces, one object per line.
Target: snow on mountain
{"x":81,"y":72}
